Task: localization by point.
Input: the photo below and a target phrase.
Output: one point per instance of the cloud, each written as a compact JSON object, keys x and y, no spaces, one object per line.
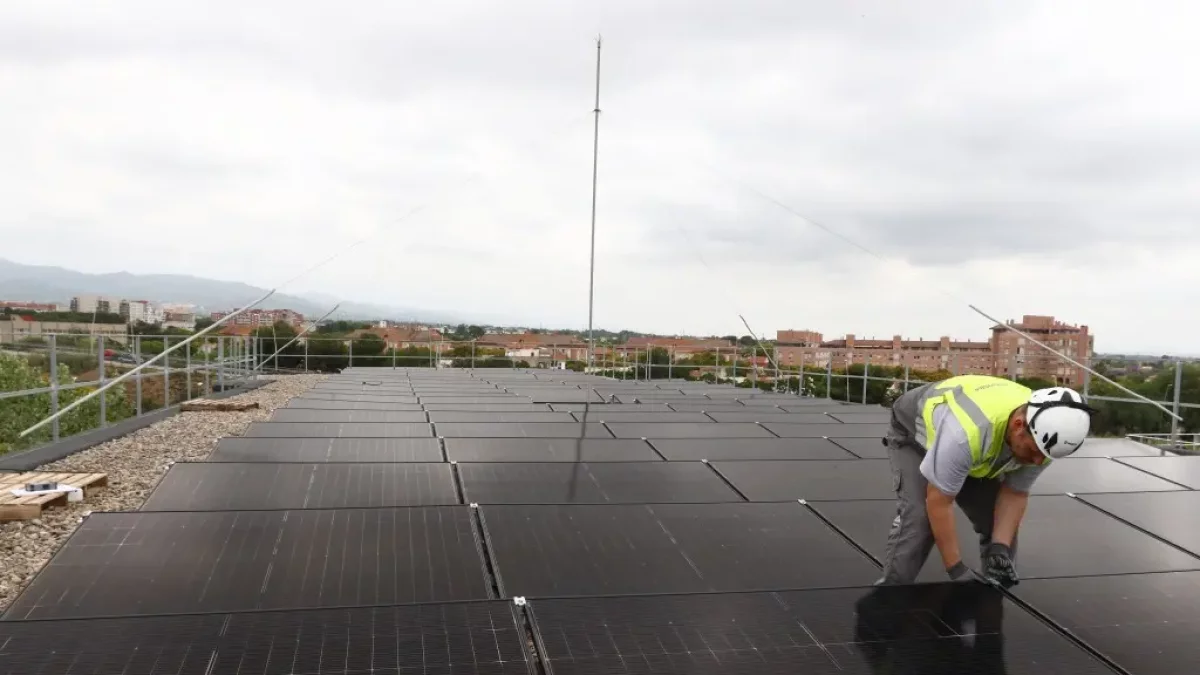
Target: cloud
{"x":982,"y":148}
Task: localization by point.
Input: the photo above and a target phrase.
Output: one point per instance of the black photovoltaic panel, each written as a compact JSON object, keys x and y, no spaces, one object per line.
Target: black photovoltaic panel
{"x":549,"y":450}
{"x":479,"y":416}
{"x":495,"y":396}
{"x":884,"y":417}
{"x":819,"y":430}
{"x":1145,"y":623}
{"x":692,"y":449}
{"x":1060,"y":537}
{"x":338,"y":430}
{"x":599,"y":483}
{"x":481,"y":638}
{"x":1113,"y":447}
{"x":245,"y":487}
{"x":868,"y":522}
{"x":300,"y":415}
{"x":488,"y":407}
{"x":938,"y":629}
{"x":1181,"y":470}
{"x":360,"y":389}
{"x":174,"y":645}
{"x":167,"y":563}
{"x":321,"y":404}
{"x":620,"y":415}
{"x":521,"y":430}
{"x":866,"y":448}
{"x":709,"y":406}
{"x":358,"y":398}
{"x":687,"y":430}
{"x":812,"y":405}
{"x":563,"y":395}
{"x":617,"y":407}
{"x":1096,"y":474}
{"x":667,"y":548}
{"x":776,"y":481}
{"x":1168,"y":515}
{"x":327,"y":450}
{"x":762,"y":414}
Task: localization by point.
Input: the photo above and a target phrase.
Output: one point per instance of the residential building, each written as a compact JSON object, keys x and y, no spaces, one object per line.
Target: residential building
{"x":19,"y":305}
{"x":681,"y":349}
{"x":405,"y":337}
{"x":183,"y":320}
{"x":1014,"y":354}
{"x":140,"y":310}
{"x":94,"y":303}
{"x":537,"y":346}
{"x":17,"y":328}
{"x":262,"y":317}
{"x":1006,"y":354}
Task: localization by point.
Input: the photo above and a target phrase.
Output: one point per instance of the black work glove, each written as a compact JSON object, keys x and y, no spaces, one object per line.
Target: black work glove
{"x":998,"y":565}
{"x":958,"y":570}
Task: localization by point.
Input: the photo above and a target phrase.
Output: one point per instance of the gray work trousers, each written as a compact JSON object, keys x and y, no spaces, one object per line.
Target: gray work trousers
{"x":911,"y":538}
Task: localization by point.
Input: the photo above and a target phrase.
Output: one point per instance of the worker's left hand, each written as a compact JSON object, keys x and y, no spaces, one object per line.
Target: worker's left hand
{"x":998,"y":565}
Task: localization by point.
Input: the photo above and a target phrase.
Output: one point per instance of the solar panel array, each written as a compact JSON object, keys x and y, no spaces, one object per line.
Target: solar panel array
{"x":426,"y":521}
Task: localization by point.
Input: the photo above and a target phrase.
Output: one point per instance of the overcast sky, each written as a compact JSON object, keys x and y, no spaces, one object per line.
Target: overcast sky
{"x":1028,"y":157}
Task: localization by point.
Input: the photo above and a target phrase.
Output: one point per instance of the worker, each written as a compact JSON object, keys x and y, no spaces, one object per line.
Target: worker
{"x":981,"y":442}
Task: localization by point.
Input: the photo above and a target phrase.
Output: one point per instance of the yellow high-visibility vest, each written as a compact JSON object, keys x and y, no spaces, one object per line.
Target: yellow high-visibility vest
{"x":982,"y":405}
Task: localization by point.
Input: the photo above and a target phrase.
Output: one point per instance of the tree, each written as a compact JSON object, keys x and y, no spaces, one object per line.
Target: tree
{"x":368,"y":347}
{"x":203,"y":322}
{"x":746,"y":341}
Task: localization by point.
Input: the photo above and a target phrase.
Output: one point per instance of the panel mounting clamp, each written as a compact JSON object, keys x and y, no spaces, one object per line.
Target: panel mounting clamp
{"x":519,"y":601}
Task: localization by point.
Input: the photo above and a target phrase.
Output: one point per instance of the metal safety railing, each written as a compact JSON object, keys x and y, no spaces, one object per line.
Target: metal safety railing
{"x":66,"y":366}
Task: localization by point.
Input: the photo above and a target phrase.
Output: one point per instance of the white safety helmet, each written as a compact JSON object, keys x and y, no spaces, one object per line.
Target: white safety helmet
{"x":1059,"y":421}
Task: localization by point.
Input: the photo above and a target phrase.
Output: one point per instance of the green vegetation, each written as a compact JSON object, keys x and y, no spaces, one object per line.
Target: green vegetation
{"x":71,"y":317}
{"x":17,"y":414}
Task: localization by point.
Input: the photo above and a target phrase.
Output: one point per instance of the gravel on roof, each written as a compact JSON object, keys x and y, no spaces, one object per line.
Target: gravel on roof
{"x":134,"y":463}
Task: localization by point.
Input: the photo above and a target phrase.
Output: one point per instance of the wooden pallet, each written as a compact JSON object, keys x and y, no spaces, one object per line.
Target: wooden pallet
{"x":27,"y":507}
{"x":207,"y":405}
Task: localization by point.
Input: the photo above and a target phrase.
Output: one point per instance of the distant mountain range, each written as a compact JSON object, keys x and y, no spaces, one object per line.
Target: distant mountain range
{"x":34,"y":283}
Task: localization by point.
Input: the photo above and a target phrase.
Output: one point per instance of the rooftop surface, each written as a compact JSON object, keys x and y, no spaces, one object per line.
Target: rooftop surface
{"x":424,"y":521}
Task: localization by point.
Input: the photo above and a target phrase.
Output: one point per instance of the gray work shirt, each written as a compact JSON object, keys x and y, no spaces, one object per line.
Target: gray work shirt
{"x":946,"y":465}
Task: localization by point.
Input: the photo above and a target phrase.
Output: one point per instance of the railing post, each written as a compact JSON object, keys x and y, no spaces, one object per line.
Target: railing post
{"x":1175,"y":404}
{"x":1087,"y":384}
{"x":137,"y":385}
{"x":800,"y":377}
{"x":166,"y":373}
{"x":187,"y":377}
{"x":906,"y":377}
{"x":103,"y":396}
{"x":221,"y":362}
{"x":54,"y":384}
{"x":306,"y":355}
{"x":207,"y":372}
{"x":866,"y":378}
{"x":351,"y":365}
{"x":670,"y":363}
{"x":829,"y":377}
{"x":472,"y":355}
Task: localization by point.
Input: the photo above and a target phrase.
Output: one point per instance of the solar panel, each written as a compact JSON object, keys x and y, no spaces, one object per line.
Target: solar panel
{"x":939,"y":628}
{"x":620,"y":415}
{"x":600,"y":483}
{"x":1096,"y":474}
{"x":1114,"y":447}
{"x":1060,"y":537}
{"x":1164,"y":514}
{"x":1145,"y":623}
{"x":549,"y":450}
{"x":1182,"y":470}
{"x":692,"y":449}
{"x":521,"y":430}
{"x":488,"y":407}
{"x":295,"y":415}
{"x":863,"y":417}
{"x":866,"y":448}
{"x":811,"y":405}
{"x":668,"y":548}
{"x":323,"y":404}
{"x":594,"y":407}
{"x":503,"y":417}
{"x":164,"y":563}
{"x":358,"y":398}
{"x":711,"y":406}
{"x":327,"y":450}
{"x":819,"y":430}
{"x":483,"y":638}
{"x":687,"y":430}
{"x":563,"y":395}
{"x":338,"y":430}
{"x":246,"y":487}
{"x":776,"y":481}
{"x":763,"y":414}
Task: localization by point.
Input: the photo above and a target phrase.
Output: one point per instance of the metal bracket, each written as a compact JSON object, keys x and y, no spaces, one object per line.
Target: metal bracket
{"x":520,"y":601}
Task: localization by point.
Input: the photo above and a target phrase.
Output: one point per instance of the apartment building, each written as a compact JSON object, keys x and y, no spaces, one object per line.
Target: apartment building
{"x":262,"y":317}
{"x":681,"y":348}
{"x":22,"y":306}
{"x":1006,"y":354}
{"x":95,"y":303}
{"x":527,"y":346}
{"x":140,"y":310}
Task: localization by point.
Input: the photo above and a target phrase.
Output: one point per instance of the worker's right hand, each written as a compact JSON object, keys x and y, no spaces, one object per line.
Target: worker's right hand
{"x":958,"y":571}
